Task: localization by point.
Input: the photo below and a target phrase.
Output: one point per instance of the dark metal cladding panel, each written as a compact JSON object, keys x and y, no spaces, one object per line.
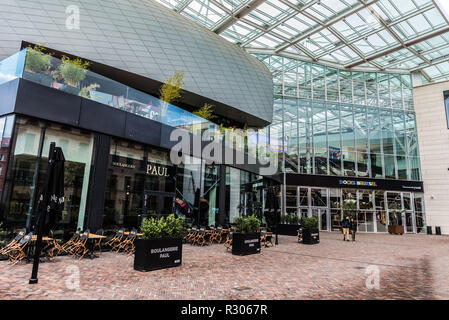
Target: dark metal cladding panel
{"x":36,"y":100}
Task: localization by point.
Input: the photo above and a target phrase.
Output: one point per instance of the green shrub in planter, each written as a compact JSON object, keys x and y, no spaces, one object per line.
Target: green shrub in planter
{"x":247,"y":225}
{"x":73,"y":71}
{"x":165,"y":227}
{"x":310,"y":223}
{"x":310,"y":233}
{"x":36,"y":60}
{"x":161,"y":243}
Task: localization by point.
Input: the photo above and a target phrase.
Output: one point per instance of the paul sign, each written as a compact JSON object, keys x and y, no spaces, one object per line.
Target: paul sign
{"x":154,"y":169}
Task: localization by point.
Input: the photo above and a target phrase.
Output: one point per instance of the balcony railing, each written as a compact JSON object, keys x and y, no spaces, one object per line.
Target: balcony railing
{"x":55,"y":73}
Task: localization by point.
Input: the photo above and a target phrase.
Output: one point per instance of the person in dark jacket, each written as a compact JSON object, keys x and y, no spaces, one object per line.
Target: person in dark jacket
{"x":353,"y":228}
{"x":345,"y":224}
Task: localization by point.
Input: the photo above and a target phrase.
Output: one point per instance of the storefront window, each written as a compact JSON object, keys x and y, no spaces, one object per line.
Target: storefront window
{"x":140,"y":183}
{"x":28,"y":167}
{"x":17,"y":195}
{"x":77,"y":146}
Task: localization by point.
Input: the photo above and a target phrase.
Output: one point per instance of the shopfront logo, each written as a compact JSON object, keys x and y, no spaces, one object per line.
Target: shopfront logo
{"x":123,"y":165}
{"x":358,"y":183}
{"x":157,"y":170}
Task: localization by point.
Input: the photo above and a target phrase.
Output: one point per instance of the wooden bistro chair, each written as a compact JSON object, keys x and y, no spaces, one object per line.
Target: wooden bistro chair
{"x":80,"y":247}
{"x":4,"y":251}
{"x":68,"y":246}
{"x":127,"y":245}
{"x":228,"y":242}
{"x":116,"y":239}
{"x":299,"y":235}
{"x":53,"y":248}
{"x":191,"y":233}
{"x":97,"y":242}
{"x":17,"y":252}
{"x":216,"y":233}
{"x":200,"y":237}
{"x":266,"y":237}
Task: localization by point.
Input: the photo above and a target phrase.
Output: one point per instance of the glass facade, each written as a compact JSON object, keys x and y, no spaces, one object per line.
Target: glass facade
{"x":370,"y":208}
{"x":27,"y":164}
{"x":340,"y":123}
{"x":142,"y":182}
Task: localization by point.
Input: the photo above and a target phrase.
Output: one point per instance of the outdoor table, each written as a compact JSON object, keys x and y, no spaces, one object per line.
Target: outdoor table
{"x":127,"y":233}
{"x":34,"y":239}
{"x":92,"y":238}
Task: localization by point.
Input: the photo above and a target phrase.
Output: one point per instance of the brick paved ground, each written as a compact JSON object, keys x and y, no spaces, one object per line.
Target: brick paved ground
{"x":411,"y":267}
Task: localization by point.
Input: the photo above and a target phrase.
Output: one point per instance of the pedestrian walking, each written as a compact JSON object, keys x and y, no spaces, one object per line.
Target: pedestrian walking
{"x":353,"y":228}
{"x":345,"y":224}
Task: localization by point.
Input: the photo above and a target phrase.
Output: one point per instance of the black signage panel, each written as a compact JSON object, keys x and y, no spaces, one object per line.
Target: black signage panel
{"x":353,"y":183}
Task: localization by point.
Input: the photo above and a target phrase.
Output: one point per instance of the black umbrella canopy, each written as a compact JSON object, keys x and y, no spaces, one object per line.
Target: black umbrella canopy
{"x":53,"y":190}
{"x":51,"y":202}
{"x":272,"y":207}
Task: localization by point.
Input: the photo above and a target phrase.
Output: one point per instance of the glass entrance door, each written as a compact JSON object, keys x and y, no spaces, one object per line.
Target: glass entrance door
{"x":157,"y":204}
{"x":323,"y":218}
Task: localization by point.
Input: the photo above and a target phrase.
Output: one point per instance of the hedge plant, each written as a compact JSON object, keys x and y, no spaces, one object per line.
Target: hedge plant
{"x":309,"y":223}
{"x":73,"y":71}
{"x":248,"y":224}
{"x":36,"y":60}
{"x":164,"y":227}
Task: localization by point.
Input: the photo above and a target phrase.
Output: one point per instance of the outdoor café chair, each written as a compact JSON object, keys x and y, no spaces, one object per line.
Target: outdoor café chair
{"x":18,"y":250}
{"x":97,"y":242}
{"x":200,"y":238}
{"x":299,"y":235}
{"x":68,"y":246}
{"x":190,"y":235}
{"x":218,"y":235}
{"x":80,"y":247}
{"x":266,"y":237}
{"x":4,"y":251}
{"x":128,"y":242}
{"x":228,"y":243}
{"x":116,"y":238}
{"x":53,"y":248}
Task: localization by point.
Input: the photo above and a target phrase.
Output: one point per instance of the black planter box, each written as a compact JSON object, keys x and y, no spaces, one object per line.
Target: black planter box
{"x":245,"y":243}
{"x":310,"y":236}
{"x":288,"y":229}
{"x":156,"y":254}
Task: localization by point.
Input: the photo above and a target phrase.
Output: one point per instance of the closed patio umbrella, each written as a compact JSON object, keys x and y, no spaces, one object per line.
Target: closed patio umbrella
{"x":51,"y":201}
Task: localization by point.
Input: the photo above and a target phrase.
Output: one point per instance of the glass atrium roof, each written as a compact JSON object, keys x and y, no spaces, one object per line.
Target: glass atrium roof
{"x":368,"y":35}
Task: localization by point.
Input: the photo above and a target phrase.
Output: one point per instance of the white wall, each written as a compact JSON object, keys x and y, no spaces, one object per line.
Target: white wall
{"x":433,"y":138}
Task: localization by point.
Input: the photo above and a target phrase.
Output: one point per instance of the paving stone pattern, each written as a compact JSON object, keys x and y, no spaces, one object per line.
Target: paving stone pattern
{"x":409,"y":266}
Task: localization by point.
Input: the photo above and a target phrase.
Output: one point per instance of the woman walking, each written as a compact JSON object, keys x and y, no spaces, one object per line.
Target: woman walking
{"x":353,"y":228}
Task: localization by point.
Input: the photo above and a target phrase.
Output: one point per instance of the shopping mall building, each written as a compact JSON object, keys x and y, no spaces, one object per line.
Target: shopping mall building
{"x":343,"y":134}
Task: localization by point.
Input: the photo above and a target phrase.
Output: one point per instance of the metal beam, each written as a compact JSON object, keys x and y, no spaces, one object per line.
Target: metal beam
{"x":239,"y":13}
{"x":297,"y":9}
{"x":432,"y":63}
{"x":396,"y":36}
{"x":372,"y":32}
{"x":406,"y":44}
{"x":327,"y":63}
{"x":184,"y":5}
{"x":342,"y":15}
